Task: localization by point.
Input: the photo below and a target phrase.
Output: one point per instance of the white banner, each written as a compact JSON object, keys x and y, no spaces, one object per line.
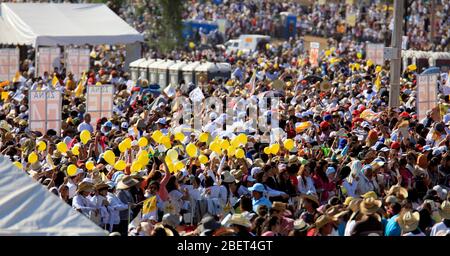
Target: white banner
{"x":375,"y":52}
{"x":48,"y":58}
{"x":9,"y":63}
{"x":99,"y":101}
{"x":77,"y":61}
{"x":314,"y":53}
{"x":45,"y":111}
{"x":426,"y":94}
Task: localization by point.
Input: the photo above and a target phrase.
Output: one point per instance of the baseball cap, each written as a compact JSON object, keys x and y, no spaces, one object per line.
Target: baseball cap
{"x":257,"y":187}
{"x":124,"y":125}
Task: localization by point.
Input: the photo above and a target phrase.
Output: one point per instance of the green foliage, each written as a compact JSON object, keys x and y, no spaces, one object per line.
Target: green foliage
{"x":171,"y":25}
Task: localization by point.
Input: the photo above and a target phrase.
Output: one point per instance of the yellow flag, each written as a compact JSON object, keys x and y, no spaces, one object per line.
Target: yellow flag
{"x":16,"y":77}
{"x":55,"y":81}
{"x":80,"y":87}
{"x":378,"y":83}
{"x":149,"y":205}
{"x":5,"y":95}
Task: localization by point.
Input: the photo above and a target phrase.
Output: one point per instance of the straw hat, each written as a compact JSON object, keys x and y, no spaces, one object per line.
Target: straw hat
{"x":101,"y":186}
{"x":370,"y":205}
{"x":336,"y":212}
{"x":398,"y":191}
{"x":85,"y":187}
{"x":300,"y":225}
{"x":126,"y":183}
{"x":227,"y":177}
{"x":238,"y":174}
{"x":409,"y":221}
{"x":279,"y":206}
{"x":444,"y":210}
{"x":166,"y":230}
{"x":370,"y":194}
{"x":324,"y":220}
{"x":311,"y":197}
{"x":241,"y":220}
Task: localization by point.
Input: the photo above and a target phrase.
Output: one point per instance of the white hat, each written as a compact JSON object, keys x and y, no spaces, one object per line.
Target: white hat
{"x":124,"y":125}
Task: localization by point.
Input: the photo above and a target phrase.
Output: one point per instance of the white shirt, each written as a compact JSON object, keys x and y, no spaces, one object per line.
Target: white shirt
{"x":115,"y":206}
{"x":304,"y":188}
{"x":85,"y":126}
{"x":439,"y":227}
{"x":349,"y":228}
{"x":351,"y":188}
{"x":97,"y":200}
{"x":82,"y":203}
{"x":72,"y":188}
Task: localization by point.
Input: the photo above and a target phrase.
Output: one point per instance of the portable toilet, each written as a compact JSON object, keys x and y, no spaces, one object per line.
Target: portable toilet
{"x":188,"y":72}
{"x":176,"y":72}
{"x":224,"y":72}
{"x":143,"y":68}
{"x":163,"y":73}
{"x":134,"y":69}
{"x":153,"y":71}
{"x":205,"y":72}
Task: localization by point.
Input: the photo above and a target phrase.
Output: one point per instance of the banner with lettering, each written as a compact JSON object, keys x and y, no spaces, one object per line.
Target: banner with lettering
{"x":77,"y":61}
{"x":9,"y":63}
{"x":375,"y":52}
{"x":426,"y":94}
{"x":45,"y":111}
{"x":48,"y":58}
{"x":314,"y":53}
{"x":99,"y":101}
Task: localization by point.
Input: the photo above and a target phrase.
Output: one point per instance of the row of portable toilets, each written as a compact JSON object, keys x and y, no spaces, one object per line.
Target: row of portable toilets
{"x":165,"y":72}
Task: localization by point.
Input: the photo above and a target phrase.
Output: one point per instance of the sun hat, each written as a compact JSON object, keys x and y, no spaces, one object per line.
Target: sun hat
{"x":237,"y":174}
{"x":348,"y":200}
{"x":409,"y":221}
{"x":227,"y":177}
{"x":370,"y":194}
{"x":239,"y":219}
{"x":258,"y":187}
{"x":300,"y":225}
{"x":85,"y":187}
{"x":444,"y":210}
{"x":279,"y":206}
{"x":323,"y":220}
{"x":126,"y":183}
{"x":101,"y":186}
{"x":370,"y":206}
{"x":311,"y":197}
{"x":398,"y":191}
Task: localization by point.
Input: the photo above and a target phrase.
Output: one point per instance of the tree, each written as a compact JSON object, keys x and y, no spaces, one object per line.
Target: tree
{"x":171,"y":26}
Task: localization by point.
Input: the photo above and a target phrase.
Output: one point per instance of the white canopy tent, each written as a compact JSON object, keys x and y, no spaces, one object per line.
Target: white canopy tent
{"x":28,"y":209}
{"x":50,"y":24}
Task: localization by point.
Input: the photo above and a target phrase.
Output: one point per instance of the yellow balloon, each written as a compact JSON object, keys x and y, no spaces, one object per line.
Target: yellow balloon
{"x":143,"y":159}
{"x":32,"y":158}
{"x":267,"y":46}
{"x":327,"y":53}
{"x":18,"y":165}
{"x":122,"y":147}
{"x":165,"y":139}
{"x":89,"y":165}
{"x":369,"y":63}
{"x":203,"y":159}
{"x":109,"y":157}
{"x":231,"y":151}
{"x":178,"y":165}
{"x":359,"y":55}
{"x":288,"y":144}
{"x":120,"y":165}
{"x":412,"y":67}
{"x":157,"y":135}
{"x":85,"y":136}
{"x":191,"y":150}
{"x":61,"y":147}
{"x":142,"y":142}
{"x":167,"y":145}
{"x":127,"y":143}
{"x":41,"y":146}
{"x":235,"y":142}
{"x":171,"y":167}
{"x":172,"y":154}
{"x":71,"y":170}
{"x":135,"y":167}
{"x":240,"y":153}
{"x":203,"y":137}
{"x":76,"y":150}
{"x":224,"y":144}
{"x":191,"y":45}
{"x":168,"y":160}
{"x":267,"y":150}
{"x":378,"y":68}
{"x":179,"y":136}
{"x":215,"y":147}
{"x":242,"y":138}
{"x":274,"y":148}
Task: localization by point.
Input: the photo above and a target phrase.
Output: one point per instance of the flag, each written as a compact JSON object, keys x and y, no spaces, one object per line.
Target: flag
{"x":55,"y":81}
{"x":149,"y":208}
{"x":80,"y":87}
{"x":16,"y":77}
{"x":5,"y":95}
{"x":252,"y":83}
{"x":378,"y":83}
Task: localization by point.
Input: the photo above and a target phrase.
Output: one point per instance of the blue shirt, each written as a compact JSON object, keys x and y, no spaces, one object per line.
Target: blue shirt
{"x":261,"y":201}
{"x":392,"y":227}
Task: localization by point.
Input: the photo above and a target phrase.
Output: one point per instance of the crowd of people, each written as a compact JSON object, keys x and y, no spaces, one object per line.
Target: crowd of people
{"x":339,"y":163}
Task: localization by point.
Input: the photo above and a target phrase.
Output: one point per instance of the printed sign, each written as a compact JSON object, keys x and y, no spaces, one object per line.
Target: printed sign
{"x":48,"y":58}
{"x":375,"y":52}
{"x":196,"y":95}
{"x":9,"y":63}
{"x":426,"y":94}
{"x":45,"y":111}
{"x":77,"y":61}
{"x":350,"y":18}
{"x":99,"y":101}
{"x":314,"y":53}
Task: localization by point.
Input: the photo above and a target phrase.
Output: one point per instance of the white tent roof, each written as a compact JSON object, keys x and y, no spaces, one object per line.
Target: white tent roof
{"x":28,"y":209}
{"x":53,"y":24}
